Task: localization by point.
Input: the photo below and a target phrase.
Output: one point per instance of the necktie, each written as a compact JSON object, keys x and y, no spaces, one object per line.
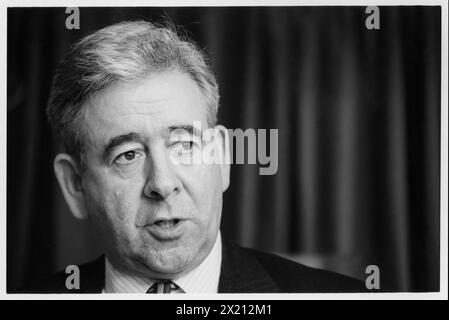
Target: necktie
{"x":164,"y":286}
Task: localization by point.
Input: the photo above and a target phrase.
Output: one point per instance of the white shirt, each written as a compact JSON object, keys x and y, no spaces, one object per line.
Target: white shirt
{"x":202,"y":279}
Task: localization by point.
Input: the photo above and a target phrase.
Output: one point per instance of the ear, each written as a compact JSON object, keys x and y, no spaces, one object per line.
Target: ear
{"x":68,"y":174}
{"x":225,"y":162}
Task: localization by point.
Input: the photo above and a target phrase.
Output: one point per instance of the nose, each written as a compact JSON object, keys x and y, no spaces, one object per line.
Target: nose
{"x":162,"y":180}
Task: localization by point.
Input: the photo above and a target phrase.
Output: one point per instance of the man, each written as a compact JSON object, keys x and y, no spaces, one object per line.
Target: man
{"x":124,"y":102}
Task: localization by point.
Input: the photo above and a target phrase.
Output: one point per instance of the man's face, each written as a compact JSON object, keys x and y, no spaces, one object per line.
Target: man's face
{"x":156,"y":218}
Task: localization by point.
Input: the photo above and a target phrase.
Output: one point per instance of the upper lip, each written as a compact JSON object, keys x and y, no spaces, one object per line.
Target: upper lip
{"x":157,"y":219}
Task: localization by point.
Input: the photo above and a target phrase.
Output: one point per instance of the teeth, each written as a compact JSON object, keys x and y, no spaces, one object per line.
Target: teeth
{"x":166,"y":223}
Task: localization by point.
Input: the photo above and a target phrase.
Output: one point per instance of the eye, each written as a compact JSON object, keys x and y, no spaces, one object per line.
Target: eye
{"x":128,"y":157}
{"x":187,"y":145}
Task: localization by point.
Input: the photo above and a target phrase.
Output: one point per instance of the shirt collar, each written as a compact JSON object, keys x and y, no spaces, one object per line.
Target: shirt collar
{"x":202,"y":279}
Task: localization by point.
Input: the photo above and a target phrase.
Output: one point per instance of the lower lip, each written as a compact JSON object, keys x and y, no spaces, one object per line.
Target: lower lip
{"x":170,"y":233}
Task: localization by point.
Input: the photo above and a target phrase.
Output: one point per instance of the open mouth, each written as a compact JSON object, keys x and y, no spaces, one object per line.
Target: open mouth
{"x":167,"y":229}
{"x":167,"y":223}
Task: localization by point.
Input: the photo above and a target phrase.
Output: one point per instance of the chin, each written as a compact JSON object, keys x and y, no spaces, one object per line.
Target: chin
{"x":172,"y":262}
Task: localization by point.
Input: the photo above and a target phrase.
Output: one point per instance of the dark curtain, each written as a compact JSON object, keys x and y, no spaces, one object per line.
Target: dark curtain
{"x":358,"y":113}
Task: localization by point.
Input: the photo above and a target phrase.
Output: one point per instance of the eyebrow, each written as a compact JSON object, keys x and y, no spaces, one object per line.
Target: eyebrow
{"x":190,"y":129}
{"x":116,"y":141}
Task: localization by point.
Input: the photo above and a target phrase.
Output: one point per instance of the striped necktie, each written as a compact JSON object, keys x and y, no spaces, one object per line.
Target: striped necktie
{"x":164,"y":286}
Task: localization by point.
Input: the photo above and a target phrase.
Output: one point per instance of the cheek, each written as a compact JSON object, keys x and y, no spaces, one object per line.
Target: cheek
{"x":113,"y":203}
{"x":205,"y":189}
{"x":210,"y":181}
{"x":114,"y":217}
{"x":121,"y":203}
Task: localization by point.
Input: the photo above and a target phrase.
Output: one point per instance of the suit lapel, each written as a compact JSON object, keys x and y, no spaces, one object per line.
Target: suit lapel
{"x":241,"y":272}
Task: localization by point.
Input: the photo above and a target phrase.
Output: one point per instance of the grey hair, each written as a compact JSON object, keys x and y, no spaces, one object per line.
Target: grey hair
{"x":126,"y":51}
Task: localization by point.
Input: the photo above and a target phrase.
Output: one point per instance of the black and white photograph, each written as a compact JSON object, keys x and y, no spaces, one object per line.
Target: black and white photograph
{"x":272,"y":149}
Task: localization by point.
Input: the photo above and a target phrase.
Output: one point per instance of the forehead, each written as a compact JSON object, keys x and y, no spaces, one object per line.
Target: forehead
{"x":149,"y":107}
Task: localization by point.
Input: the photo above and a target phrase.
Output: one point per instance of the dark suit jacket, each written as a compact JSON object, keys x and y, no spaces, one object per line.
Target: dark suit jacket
{"x":242,"y":271}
